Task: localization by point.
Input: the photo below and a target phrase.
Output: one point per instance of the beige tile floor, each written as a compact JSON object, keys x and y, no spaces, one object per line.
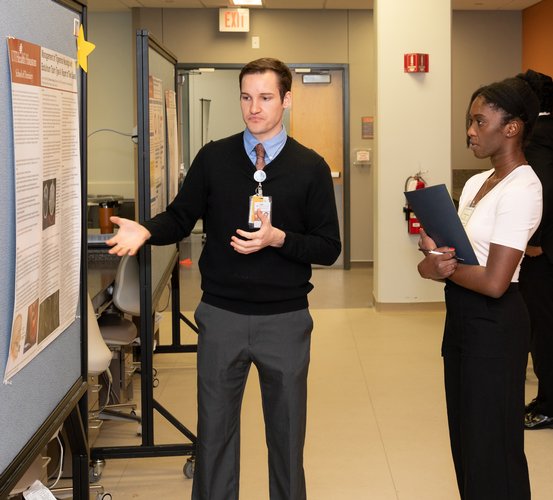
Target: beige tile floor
{"x":377,"y":425}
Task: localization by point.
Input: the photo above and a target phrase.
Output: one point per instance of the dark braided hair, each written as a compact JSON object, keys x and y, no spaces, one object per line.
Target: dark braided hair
{"x":542,"y":85}
{"x":515,"y":98}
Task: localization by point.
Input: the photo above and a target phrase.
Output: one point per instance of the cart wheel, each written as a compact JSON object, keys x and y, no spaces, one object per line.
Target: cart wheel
{"x":95,"y":471}
{"x":188,"y":468}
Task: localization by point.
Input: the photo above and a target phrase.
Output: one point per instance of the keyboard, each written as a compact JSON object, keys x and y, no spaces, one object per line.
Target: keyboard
{"x":97,"y":239}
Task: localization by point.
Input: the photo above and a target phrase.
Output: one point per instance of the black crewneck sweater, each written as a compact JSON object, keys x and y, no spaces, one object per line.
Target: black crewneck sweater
{"x":217,"y":189}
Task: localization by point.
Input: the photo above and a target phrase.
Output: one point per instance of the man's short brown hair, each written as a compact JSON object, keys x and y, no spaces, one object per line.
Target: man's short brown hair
{"x":269,"y":64}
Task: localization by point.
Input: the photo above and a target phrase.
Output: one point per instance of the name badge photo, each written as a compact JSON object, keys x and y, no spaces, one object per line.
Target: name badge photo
{"x":262,"y":203}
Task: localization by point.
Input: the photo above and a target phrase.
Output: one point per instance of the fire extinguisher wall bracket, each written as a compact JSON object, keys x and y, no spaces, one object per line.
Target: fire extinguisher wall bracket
{"x":412,"y":183}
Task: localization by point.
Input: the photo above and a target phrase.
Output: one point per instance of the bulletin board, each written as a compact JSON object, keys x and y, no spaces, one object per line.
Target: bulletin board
{"x":40,"y":396}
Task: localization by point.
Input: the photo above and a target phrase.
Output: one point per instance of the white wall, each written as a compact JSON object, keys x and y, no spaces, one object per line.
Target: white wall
{"x":111,"y":104}
{"x":412,"y":133}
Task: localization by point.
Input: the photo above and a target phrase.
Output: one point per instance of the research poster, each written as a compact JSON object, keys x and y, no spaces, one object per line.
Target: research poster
{"x":45,"y":110}
{"x":172,"y":142}
{"x":158,"y":179}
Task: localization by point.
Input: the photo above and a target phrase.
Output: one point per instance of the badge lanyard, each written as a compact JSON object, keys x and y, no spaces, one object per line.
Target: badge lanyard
{"x":259,"y":177}
{"x":258,"y":201}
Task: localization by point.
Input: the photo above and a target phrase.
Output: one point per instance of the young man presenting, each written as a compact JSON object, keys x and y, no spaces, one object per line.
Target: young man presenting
{"x":269,"y":211}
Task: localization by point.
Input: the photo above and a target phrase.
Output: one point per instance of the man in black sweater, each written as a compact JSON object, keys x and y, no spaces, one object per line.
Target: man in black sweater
{"x":269,"y":212}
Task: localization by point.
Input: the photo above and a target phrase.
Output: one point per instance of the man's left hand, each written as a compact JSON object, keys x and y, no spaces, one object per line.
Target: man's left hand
{"x":266,"y":236}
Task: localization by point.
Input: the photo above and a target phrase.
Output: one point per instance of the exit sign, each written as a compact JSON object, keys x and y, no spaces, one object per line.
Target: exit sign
{"x":234,"y":20}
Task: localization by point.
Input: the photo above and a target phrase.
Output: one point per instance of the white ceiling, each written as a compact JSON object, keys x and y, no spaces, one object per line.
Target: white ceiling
{"x":122,"y":5}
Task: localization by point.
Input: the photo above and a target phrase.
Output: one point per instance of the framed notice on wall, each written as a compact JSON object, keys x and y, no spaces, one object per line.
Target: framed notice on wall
{"x":367,"y":127}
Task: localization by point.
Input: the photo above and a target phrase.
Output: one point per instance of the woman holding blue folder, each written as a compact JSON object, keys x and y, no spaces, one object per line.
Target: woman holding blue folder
{"x":486,"y":335}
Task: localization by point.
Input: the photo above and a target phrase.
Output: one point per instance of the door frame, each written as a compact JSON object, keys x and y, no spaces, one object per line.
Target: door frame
{"x":314,"y":67}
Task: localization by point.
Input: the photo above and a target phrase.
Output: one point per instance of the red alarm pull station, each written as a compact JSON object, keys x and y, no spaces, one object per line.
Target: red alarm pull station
{"x":415,"y":63}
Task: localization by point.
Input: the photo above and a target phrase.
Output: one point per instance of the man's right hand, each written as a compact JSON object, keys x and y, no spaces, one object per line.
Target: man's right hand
{"x":129,"y":238}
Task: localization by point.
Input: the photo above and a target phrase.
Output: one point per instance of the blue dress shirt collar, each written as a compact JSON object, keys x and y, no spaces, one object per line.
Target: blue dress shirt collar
{"x":273,"y":146}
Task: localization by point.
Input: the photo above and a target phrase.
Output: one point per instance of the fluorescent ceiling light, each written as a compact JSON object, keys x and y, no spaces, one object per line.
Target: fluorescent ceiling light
{"x":247,"y":2}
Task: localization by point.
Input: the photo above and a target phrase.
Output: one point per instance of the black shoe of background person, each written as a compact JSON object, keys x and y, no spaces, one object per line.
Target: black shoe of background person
{"x":531,"y":405}
{"x":535,"y":421}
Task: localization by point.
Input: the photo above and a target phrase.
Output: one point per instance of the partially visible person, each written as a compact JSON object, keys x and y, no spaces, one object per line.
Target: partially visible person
{"x":487,"y":329}
{"x":536,"y":272}
{"x":269,"y":210}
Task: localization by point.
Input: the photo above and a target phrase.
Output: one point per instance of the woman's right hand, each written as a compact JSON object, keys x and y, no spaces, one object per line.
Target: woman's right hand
{"x":438,"y":265}
{"x":129,"y":238}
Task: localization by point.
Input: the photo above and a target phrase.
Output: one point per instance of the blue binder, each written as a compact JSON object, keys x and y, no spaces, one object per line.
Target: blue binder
{"x":436,"y":212}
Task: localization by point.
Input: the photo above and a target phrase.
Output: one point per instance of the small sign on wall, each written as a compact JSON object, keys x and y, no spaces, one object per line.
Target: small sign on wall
{"x":367,"y":130}
{"x":236,"y":20}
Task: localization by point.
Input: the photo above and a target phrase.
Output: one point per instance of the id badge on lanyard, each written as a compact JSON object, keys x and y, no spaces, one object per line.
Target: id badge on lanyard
{"x":258,"y":202}
{"x":466,"y":214}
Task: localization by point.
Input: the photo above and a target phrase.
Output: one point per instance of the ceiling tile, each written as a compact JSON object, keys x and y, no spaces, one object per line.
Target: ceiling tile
{"x":293,"y":4}
{"x":523,"y":4}
{"x":122,"y":5}
{"x":172,"y":4}
{"x":349,"y":4}
{"x":107,"y":6}
{"x":491,"y":4}
{"x":213,"y":4}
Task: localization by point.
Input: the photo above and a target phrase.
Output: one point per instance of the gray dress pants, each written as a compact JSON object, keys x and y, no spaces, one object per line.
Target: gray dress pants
{"x":279,"y":347}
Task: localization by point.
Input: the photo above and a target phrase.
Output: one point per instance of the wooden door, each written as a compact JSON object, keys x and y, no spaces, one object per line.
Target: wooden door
{"x":317,"y":121}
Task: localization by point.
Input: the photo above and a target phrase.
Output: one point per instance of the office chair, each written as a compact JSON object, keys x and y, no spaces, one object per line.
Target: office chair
{"x":99,"y":355}
{"x":126,"y":292}
{"x":119,"y":333}
{"x":99,"y":358}
{"x":126,"y":299}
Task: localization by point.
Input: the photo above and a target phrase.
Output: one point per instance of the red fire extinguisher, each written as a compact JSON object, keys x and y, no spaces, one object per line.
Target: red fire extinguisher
{"x":413,"y":182}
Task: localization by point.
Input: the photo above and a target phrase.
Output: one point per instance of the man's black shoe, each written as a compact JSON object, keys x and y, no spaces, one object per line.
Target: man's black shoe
{"x":533,"y":421}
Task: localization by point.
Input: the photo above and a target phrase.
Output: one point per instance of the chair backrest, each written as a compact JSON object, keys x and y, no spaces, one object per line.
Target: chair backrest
{"x":99,"y":355}
{"x":126,"y":290}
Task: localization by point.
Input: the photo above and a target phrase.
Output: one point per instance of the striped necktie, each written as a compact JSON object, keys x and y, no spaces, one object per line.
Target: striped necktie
{"x":260,"y":156}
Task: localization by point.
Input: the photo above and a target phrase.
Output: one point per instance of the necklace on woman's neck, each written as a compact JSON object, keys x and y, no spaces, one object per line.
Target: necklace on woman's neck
{"x":492,"y":181}
{"x":509,"y":170}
